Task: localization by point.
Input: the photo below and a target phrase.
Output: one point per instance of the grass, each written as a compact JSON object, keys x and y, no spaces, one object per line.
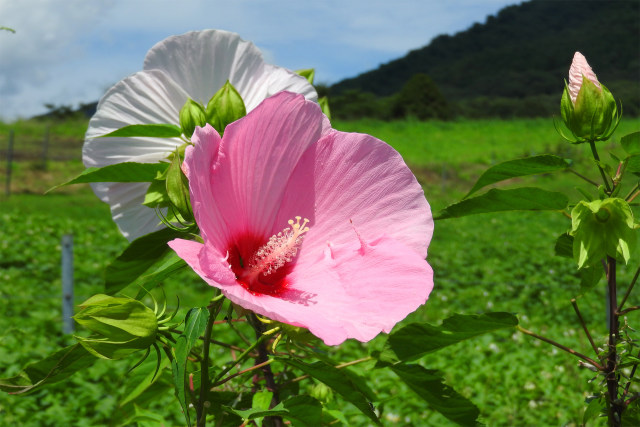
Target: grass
{"x":481,"y":263}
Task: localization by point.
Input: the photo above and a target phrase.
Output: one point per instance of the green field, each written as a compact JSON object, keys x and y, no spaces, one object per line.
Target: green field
{"x":481,"y":264}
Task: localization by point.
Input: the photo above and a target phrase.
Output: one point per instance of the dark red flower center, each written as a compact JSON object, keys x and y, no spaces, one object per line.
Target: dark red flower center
{"x":261,"y":264}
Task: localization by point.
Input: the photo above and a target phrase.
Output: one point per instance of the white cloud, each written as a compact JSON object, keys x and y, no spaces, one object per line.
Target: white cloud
{"x":68,"y":51}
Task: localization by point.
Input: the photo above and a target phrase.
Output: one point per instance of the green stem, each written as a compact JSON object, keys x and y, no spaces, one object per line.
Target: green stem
{"x":626,"y":295}
{"x":253,"y":368}
{"x":584,"y":325}
{"x":561,"y":347}
{"x":242,"y":357}
{"x":583,"y":177}
{"x":202,"y":404}
{"x":631,"y":193}
{"x":614,"y":407}
{"x":594,"y":151}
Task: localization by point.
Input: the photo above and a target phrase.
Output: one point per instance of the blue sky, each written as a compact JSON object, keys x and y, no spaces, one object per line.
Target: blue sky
{"x":71,"y":51}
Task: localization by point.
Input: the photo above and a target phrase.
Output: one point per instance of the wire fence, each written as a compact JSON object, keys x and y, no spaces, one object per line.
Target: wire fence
{"x":26,"y":155}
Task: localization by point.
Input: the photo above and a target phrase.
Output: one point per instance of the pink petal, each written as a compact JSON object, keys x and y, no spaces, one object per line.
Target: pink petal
{"x":259,"y":155}
{"x":349,"y":292}
{"x":216,"y":274}
{"x":202,"y":61}
{"x":357,"y":180}
{"x":579,"y":68}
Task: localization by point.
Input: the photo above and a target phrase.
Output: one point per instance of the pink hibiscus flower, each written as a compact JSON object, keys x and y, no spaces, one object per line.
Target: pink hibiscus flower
{"x":307,"y":225}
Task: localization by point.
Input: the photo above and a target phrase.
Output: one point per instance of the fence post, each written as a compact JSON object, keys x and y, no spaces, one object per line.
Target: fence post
{"x":67,"y":284}
{"x":7,"y":190}
{"x":45,"y":147}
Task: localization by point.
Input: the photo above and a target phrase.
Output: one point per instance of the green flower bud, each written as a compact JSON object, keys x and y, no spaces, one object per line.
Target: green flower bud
{"x":121,"y":326}
{"x":321,"y":392}
{"x":225,"y":107}
{"x":191,"y":115}
{"x":177,"y":186}
{"x":602,"y":228}
{"x":588,"y":108}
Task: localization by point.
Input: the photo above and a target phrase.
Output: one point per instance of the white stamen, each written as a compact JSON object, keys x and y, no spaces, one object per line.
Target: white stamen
{"x":279,"y":250}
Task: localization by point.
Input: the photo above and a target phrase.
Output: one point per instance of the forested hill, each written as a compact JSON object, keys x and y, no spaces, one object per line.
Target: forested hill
{"x":525,"y":50}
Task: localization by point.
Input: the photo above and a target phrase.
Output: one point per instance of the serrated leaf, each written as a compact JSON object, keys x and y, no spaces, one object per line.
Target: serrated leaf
{"x":520,"y":167}
{"x":417,"y":339}
{"x":120,"y":172}
{"x":518,"y":199}
{"x":146,"y":258}
{"x":429,"y":386}
{"x":340,"y":382}
{"x":147,"y":130}
{"x":57,"y":367}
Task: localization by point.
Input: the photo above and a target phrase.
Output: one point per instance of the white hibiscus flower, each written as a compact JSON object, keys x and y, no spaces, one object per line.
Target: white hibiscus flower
{"x":193,"y":65}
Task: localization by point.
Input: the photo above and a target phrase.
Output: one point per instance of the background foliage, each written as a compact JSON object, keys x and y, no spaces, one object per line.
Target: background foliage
{"x":480,"y":266}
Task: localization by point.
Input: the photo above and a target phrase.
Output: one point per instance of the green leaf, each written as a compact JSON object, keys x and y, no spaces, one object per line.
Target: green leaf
{"x":149,"y":130}
{"x":225,"y":107}
{"x":429,"y":386}
{"x":518,"y":199}
{"x":307,"y":73}
{"x":120,"y":172}
{"x":145,"y":259}
{"x":304,"y":411}
{"x":520,"y":167}
{"x":195,"y":325}
{"x":602,"y":228}
{"x":596,"y":407}
{"x":417,"y":339}
{"x":564,"y":246}
{"x":633,"y":163}
{"x":301,"y":410}
{"x":57,"y":367}
{"x":156,"y":195}
{"x":590,"y":277}
{"x":339,"y":381}
{"x":141,"y":378}
{"x":631,"y":143}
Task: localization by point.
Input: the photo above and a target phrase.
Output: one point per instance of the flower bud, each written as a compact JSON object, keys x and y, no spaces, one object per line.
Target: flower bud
{"x":191,"y":115}
{"x":226,"y":106}
{"x":588,"y":109}
{"x":121,"y":326}
{"x":321,"y":392}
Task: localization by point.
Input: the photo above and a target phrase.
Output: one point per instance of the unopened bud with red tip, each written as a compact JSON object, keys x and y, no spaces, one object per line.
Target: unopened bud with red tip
{"x":588,"y":109}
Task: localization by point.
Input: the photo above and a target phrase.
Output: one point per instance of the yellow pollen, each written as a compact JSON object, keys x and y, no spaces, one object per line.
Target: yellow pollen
{"x":279,"y":250}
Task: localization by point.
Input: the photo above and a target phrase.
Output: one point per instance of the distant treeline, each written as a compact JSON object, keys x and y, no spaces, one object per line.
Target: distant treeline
{"x":513,"y":65}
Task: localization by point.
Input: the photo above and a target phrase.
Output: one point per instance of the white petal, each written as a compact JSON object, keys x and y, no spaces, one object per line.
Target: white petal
{"x":202,"y":61}
{"x":132,"y":217}
{"x":142,"y":98}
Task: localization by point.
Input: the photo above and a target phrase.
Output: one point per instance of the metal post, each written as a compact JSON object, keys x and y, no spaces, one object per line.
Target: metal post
{"x":67,"y":284}
{"x":7,"y":190}
{"x":45,"y":147}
